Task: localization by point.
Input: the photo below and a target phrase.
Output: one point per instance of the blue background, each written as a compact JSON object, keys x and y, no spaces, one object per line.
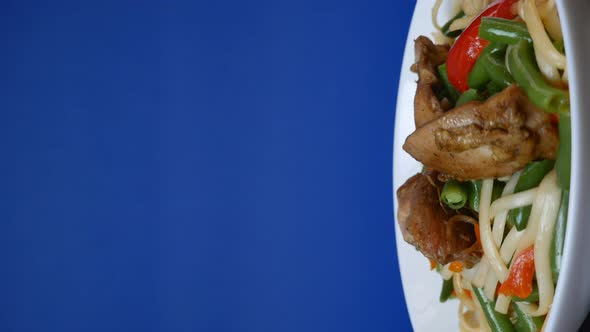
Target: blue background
{"x":199,"y":166}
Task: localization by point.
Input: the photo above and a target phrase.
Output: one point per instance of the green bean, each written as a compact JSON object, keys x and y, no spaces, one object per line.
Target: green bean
{"x":497,"y":71}
{"x":447,"y":289}
{"x":532,"y":174}
{"x":454,"y":194}
{"x":493,"y":88}
{"x":474,"y":193}
{"x":497,"y":190}
{"x":467,"y":96}
{"x":563,"y":163}
{"x":498,"y":322}
{"x":525,"y":322}
{"x":559,"y":46}
{"x":533,"y":297}
{"x":556,"y":251}
{"x":478,"y":76}
{"x":530,"y":177}
{"x":448,"y":87}
{"x":474,"y":187}
{"x":523,"y":68}
{"x":503,"y":31}
{"x":453,"y":33}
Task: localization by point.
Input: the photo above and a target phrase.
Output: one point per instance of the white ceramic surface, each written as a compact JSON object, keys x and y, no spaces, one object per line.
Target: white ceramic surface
{"x":422,"y":286}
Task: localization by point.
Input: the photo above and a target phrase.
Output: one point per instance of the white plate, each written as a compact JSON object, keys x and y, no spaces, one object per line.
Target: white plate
{"x":422,"y":286}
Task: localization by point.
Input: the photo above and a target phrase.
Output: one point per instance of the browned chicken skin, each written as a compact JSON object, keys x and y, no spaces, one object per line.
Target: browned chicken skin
{"x":428,"y":57}
{"x":485,"y":140}
{"x":440,"y":234}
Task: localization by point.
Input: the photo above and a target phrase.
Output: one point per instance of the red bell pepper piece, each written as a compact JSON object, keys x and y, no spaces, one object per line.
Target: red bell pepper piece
{"x":520,"y":277}
{"x":468,"y":46}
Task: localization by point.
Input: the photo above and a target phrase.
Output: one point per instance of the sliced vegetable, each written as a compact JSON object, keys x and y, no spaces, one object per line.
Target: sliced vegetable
{"x":530,"y":177}
{"x":474,"y":194}
{"x":493,"y":88}
{"x":432,"y":264}
{"x":478,"y":77}
{"x":454,"y":194}
{"x":534,"y":297}
{"x":467,"y":96}
{"x":498,"y":322}
{"x":525,"y":322}
{"x":469,"y":45}
{"x":452,"y":33}
{"x":503,"y":31}
{"x":523,"y":68}
{"x":558,"y":240}
{"x":497,"y":190}
{"x":456,"y":266}
{"x":564,"y":152}
{"x":520,"y":278}
{"x":496,"y":70}
{"x":447,"y":289}
{"x":450,"y":90}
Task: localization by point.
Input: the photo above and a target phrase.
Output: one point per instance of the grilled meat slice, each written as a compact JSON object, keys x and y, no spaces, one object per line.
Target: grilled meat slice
{"x":486,"y":140}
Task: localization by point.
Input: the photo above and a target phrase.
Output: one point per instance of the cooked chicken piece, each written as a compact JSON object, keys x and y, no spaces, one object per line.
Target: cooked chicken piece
{"x":427,"y":107}
{"x":440,"y":234}
{"x":486,"y":140}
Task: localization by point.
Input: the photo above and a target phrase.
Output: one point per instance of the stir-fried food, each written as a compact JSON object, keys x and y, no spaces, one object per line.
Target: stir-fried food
{"x":493,"y":133}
